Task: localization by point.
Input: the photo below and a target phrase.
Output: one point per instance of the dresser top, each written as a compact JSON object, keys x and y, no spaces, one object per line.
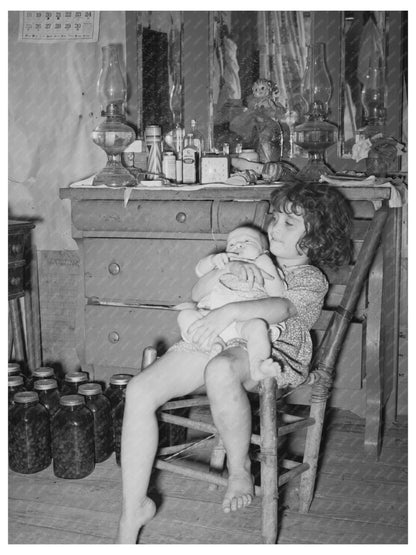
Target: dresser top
{"x":257,"y":192}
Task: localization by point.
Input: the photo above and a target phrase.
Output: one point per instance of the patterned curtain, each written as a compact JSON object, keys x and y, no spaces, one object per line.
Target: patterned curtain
{"x":283,"y":40}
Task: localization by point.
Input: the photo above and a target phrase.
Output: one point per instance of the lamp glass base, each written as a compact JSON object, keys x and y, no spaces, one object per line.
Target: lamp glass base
{"x":313,"y":170}
{"x":114,"y":175}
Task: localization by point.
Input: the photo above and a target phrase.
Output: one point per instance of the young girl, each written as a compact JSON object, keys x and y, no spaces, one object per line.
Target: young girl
{"x":311,"y":226}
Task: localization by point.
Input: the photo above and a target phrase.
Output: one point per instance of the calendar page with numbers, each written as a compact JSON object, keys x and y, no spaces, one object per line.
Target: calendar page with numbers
{"x":38,"y":26}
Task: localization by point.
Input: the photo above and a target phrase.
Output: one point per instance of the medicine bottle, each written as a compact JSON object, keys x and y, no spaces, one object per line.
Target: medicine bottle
{"x":29,"y":435}
{"x":100,"y":407}
{"x":72,"y":381}
{"x":15,"y":384}
{"x":48,"y":393}
{"x":72,"y":430}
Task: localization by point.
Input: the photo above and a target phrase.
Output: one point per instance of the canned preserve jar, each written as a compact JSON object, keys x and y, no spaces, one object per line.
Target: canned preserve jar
{"x":118,"y":415}
{"x":48,"y":394}
{"x":100,"y":407}
{"x":15,"y":384}
{"x":114,"y":393}
{"x":72,"y":430}
{"x":72,"y":381}
{"x":41,"y":373}
{"x":29,"y":435}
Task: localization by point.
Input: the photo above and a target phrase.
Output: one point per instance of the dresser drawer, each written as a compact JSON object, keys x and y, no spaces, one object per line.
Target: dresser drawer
{"x":161,"y":270}
{"x":116,"y":336}
{"x":167,"y":216}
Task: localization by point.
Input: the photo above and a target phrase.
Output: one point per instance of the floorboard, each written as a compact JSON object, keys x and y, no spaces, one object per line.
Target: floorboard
{"x":357,"y":500}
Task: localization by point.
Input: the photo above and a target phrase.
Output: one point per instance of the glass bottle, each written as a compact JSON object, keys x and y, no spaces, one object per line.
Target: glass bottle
{"x":29,"y":435}
{"x":71,"y":382}
{"x":48,"y":392}
{"x":72,"y":429}
{"x":190,"y":160}
{"x":100,"y":407}
{"x":198,"y":137}
{"x":15,"y":384}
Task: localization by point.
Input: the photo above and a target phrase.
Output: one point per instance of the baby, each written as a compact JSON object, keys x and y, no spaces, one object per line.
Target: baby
{"x":217,"y":286}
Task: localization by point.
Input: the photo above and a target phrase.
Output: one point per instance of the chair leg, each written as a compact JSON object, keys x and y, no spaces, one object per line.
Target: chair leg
{"x":311,"y":454}
{"x":217,"y":460}
{"x":268,"y":459}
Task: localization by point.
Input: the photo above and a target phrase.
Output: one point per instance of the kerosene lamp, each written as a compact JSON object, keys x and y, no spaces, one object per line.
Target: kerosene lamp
{"x":113,"y":135}
{"x":315,"y":135}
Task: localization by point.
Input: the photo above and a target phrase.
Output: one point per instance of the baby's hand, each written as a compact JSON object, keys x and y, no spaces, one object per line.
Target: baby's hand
{"x":220,"y":260}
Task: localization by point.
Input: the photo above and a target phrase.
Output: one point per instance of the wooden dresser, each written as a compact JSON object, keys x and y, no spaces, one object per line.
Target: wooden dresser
{"x":144,"y":253}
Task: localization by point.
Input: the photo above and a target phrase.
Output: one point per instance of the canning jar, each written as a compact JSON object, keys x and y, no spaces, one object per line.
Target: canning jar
{"x":118,"y":415}
{"x":48,"y":394}
{"x":15,"y":384}
{"x":29,"y":436}
{"x":41,"y":373}
{"x":14,"y":369}
{"x":72,"y":430}
{"x":71,"y":382}
{"x":117,"y":384}
{"x":100,"y":407}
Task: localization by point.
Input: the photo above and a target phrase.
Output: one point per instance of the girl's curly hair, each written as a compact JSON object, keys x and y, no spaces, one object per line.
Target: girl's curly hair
{"x":328,"y":220}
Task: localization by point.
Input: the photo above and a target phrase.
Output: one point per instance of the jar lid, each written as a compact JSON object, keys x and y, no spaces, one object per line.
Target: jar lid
{"x":120,"y":379}
{"x":75,"y":377}
{"x":13,"y":367}
{"x":26,"y":397}
{"x":43,"y":385}
{"x":43,"y":372}
{"x":71,"y":400}
{"x":91,"y":388}
{"x":15,"y":380}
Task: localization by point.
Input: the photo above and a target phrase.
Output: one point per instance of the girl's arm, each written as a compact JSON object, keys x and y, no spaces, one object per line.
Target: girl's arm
{"x":273,"y":310}
{"x":274,"y":285}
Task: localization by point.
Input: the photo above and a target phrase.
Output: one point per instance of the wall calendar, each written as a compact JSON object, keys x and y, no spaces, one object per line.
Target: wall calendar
{"x":37,"y":26}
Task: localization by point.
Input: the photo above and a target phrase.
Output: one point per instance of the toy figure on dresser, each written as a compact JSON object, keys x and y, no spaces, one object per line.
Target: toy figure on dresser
{"x":217,"y":286}
{"x":259,"y":123}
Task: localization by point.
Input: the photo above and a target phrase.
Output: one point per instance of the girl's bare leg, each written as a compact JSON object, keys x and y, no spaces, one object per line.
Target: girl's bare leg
{"x":227,"y":377}
{"x":173,"y":375}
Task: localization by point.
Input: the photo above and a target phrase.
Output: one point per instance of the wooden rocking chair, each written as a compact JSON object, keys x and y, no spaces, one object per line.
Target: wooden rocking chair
{"x":321,"y":379}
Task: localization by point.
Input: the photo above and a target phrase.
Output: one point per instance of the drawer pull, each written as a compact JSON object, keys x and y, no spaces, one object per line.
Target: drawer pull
{"x":114,"y":268}
{"x":16,"y":248}
{"x":181,"y":217}
{"x":15,"y":281}
{"x":113,"y":337}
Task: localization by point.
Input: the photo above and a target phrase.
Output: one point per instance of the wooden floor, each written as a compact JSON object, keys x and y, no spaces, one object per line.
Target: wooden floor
{"x":357,"y":501}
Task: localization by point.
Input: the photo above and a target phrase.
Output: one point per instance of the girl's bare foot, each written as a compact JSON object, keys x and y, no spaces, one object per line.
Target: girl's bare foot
{"x":130,"y":525}
{"x":240,"y":492}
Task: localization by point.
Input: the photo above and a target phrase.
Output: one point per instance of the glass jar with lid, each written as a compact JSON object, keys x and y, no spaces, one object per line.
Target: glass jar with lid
{"x":48,"y":394}
{"x":72,"y":430}
{"x":72,"y":381}
{"x":118,"y":415}
{"x":29,"y":434}
{"x":15,"y":385}
{"x":100,"y":407}
{"x":41,"y":373}
{"x":14,"y":369}
{"x":114,"y":392}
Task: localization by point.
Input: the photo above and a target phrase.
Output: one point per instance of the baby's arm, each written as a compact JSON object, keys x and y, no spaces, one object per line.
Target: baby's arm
{"x":211,"y":262}
{"x":275,"y":287}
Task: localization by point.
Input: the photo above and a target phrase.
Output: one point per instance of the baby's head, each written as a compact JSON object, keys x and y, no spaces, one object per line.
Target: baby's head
{"x":247,"y":242}
{"x":328,"y":220}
